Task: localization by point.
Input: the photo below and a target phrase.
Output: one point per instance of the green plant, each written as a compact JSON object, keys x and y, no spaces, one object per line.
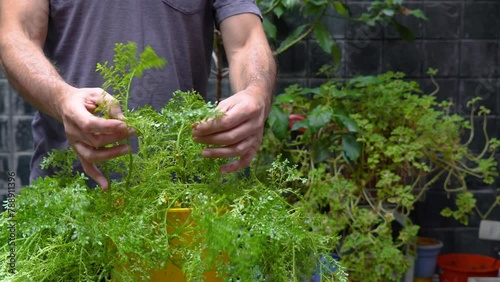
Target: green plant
{"x":371,"y":148}
{"x":377,"y":12}
{"x":276,"y":14}
{"x":67,"y":231}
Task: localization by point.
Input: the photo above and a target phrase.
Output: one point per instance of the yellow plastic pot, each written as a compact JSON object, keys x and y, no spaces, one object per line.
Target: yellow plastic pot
{"x":172,"y":273}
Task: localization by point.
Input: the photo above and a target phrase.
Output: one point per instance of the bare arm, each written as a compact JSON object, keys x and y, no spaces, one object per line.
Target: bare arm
{"x":253,"y":74}
{"x":251,"y":62}
{"x":23,"y":30}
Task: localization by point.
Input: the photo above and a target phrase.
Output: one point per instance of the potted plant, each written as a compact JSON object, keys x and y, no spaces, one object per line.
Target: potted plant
{"x":237,"y":227}
{"x":371,"y":148}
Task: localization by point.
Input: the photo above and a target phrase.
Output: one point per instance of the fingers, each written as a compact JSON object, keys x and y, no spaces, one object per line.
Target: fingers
{"x":96,"y":138}
{"x":229,"y":137}
{"x":240,"y":164}
{"x":89,"y":123}
{"x":224,"y":123}
{"x":238,"y":124}
{"x":91,"y":155}
{"x":234,"y":116}
{"x":245,"y":150}
{"x":238,"y":132}
{"x":88,"y":133}
{"x":93,"y":172}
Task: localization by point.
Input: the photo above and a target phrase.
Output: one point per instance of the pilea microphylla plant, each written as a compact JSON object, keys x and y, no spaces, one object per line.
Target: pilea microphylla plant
{"x":244,"y":230}
{"x":370,"y":148}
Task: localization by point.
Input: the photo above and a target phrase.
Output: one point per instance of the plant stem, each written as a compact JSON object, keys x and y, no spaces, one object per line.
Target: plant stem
{"x":272,"y":7}
{"x":492,"y":207}
{"x":107,"y":173}
{"x":126,"y":111}
{"x":130,"y":165}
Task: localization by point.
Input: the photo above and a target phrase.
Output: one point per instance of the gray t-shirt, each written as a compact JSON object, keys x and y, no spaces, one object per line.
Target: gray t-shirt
{"x":82,"y":33}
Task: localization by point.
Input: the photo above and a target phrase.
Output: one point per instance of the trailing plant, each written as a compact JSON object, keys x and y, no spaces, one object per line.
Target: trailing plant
{"x":370,"y":148}
{"x":240,"y":227}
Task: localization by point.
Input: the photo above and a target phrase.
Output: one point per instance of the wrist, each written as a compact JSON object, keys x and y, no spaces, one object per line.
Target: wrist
{"x":262,"y":93}
{"x":61,"y":101}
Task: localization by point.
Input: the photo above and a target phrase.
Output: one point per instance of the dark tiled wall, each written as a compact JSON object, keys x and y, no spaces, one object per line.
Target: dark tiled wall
{"x":461,"y":39}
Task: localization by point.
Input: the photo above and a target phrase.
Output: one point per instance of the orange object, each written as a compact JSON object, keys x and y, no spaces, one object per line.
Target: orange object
{"x":172,"y":273}
{"x":459,"y":267}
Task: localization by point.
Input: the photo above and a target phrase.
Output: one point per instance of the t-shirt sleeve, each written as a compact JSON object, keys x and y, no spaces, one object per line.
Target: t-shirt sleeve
{"x":227,"y":8}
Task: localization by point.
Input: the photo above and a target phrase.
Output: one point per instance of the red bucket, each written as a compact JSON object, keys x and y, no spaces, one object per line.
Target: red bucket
{"x":459,"y":267}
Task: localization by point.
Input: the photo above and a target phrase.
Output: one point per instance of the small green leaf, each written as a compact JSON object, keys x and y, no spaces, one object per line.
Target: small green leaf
{"x":285,"y":98}
{"x":300,"y":124}
{"x":324,"y":38}
{"x":337,"y":56}
{"x":328,"y":44}
{"x":363,"y":81}
{"x":278,"y":11}
{"x":341,"y":8}
{"x":351,"y":148}
{"x":288,"y":3}
{"x":348,"y":123}
{"x":269,"y":28}
{"x":432,"y":71}
{"x":388,"y":12}
{"x":314,"y":8}
{"x":320,"y":152}
{"x":319,"y":117}
{"x":278,"y":122}
{"x":418,"y":14}
{"x":404,"y":32}
{"x":296,"y":33}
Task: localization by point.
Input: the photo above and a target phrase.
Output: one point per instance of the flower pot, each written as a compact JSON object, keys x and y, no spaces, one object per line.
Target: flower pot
{"x":427,"y":252}
{"x":173,"y":272}
{"x":459,"y":267}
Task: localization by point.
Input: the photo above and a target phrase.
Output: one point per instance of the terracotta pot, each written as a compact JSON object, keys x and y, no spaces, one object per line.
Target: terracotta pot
{"x":459,"y":267}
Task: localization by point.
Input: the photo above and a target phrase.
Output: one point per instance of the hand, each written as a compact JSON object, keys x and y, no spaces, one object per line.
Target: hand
{"x":87,"y":134}
{"x":239,"y":132}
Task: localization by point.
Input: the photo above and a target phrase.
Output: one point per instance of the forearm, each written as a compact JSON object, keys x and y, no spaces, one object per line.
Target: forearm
{"x":251,"y":62}
{"x":32,"y":75}
{"x":253,"y":67}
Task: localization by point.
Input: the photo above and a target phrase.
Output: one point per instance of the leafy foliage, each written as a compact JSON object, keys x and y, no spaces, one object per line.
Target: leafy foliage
{"x":237,"y":225}
{"x":126,"y":66}
{"x":370,"y":149}
{"x":377,"y":12}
